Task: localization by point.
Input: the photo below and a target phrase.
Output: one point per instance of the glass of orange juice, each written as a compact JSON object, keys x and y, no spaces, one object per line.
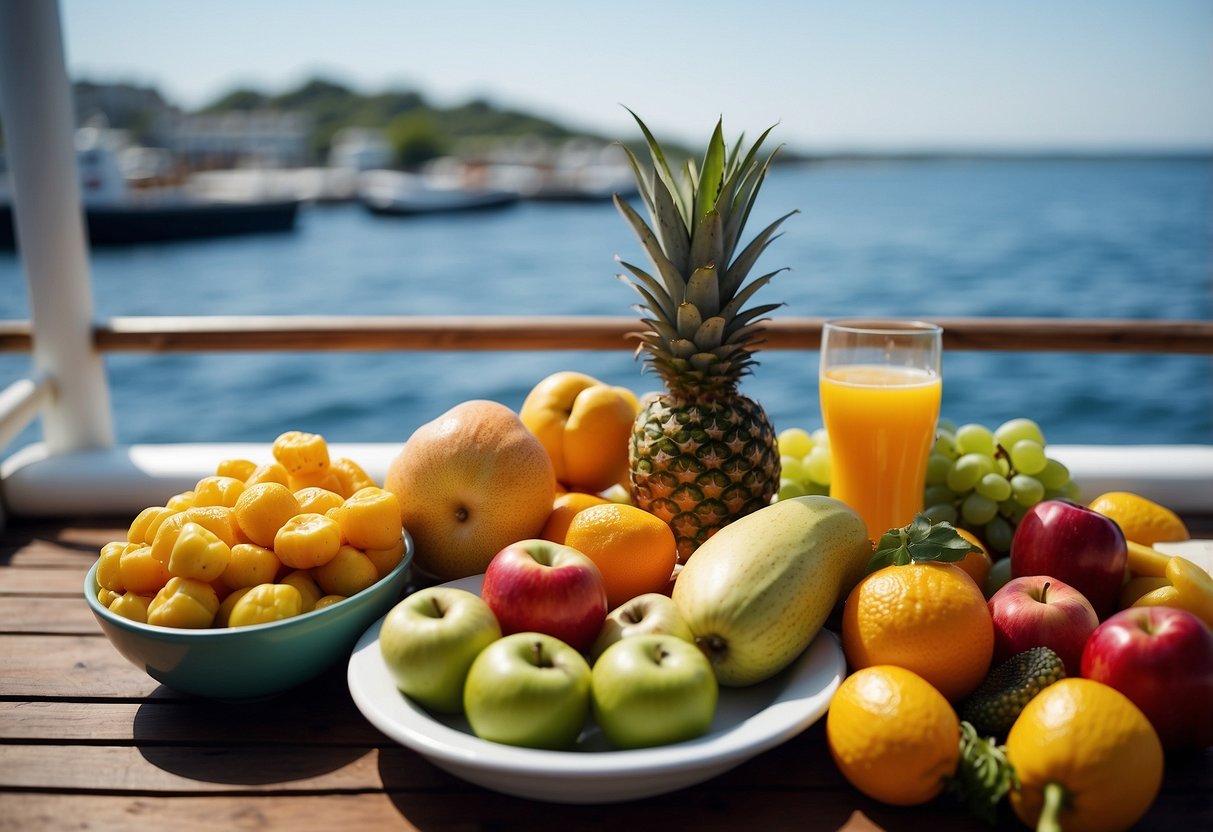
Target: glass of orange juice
{"x":880,"y":387}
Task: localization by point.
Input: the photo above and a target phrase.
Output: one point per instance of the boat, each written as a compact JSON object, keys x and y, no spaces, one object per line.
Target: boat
{"x":116,"y":214}
{"x":564,"y":182}
{"x":400,"y":193}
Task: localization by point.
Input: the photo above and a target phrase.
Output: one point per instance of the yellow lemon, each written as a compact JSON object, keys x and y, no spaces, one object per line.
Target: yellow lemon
{"x":1142,"y":520}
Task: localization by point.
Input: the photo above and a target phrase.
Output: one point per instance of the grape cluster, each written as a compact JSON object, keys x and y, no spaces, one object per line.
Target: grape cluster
{"x":979,"y":479}
{"x":805,"y":463}
{"x":985,"y":480}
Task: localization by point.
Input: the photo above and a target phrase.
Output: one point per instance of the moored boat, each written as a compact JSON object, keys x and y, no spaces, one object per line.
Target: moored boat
{"x":397,"y":193}
{"x":115,"y":214}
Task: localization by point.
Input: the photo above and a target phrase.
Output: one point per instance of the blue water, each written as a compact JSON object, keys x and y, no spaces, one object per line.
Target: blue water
{"x":1093,"y":239}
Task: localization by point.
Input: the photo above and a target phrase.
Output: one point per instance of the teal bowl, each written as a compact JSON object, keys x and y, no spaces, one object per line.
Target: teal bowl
{"x":255,"y":662}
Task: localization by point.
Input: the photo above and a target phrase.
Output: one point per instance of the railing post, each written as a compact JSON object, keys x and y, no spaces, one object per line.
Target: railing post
{"x":39,"y":132}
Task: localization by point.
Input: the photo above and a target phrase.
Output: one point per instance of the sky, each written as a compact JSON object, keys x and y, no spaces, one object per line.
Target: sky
{"x":859,"y":75}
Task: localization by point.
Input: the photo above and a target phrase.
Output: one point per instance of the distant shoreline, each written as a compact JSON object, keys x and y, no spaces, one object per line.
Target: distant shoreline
{"x":789,"y":156}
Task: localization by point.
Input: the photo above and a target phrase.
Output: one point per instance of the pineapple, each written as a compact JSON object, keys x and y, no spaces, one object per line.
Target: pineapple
{"x":701,"y":454}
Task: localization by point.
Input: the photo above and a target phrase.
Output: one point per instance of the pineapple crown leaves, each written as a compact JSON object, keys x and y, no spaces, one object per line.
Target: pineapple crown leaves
{"x":693,"y":304}
{"x":698,"y":218}
{"x":918,"y":542}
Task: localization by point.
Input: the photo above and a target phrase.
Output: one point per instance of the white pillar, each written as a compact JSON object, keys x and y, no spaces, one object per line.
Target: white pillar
{"x":39,"y":135}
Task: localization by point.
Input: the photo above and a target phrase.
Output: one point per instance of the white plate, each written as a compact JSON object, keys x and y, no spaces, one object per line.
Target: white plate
{"x":748,"y":721}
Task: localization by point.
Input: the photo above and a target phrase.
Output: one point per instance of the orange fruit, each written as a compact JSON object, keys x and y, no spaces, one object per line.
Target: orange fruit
{"x":635,"y":551}
{"x":892,"y":735}
{"x":564,"y":507}
{"x":1093,"y":744}
{"x":975,"y":564}
{"x":1142,"y":520}
{"x":926,"y":617}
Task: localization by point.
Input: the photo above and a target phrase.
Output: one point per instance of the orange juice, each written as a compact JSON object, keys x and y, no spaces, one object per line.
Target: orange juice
{"x":881,"y":422}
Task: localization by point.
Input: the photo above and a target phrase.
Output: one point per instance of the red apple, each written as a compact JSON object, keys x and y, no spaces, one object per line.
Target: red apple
{"x":1162,"y":659}
{"x":543,"y":587}
{"x":1080,"y":547}
{"x":1040,"y":611}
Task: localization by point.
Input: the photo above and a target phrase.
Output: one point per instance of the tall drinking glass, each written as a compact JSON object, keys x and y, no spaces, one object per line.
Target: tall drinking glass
{"x":880,"y":387}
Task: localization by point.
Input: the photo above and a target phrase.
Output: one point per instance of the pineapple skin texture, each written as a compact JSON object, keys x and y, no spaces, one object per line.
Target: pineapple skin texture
{"x":758,"y":592}
{"x":700,"y":465}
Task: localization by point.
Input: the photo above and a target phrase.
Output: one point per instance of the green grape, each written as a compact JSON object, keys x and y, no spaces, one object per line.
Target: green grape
{"x":934,"y":494}
{"x":817,"y":464}
{"x":945,"y":445}
{"x":998,"y":534}
{"x":945,"y":425}
{"x":1054,"y":475}
{"x":1013,"y":430}
{"x":1028,"y":457}
{"x":1026,"y":490}
{"x":993,"y":487}
{"x":975,"y":439}
{"x":937,"y":469}
{"x":821,"y":437}
{"x":1002,"y":465}
{"x":977,"y":510}
{"x":789,"y":488}
{"x":816,"y":488}
{"x":941,"y":513}
{"x":795,"y":442}
{"x":1012,"y":510}
{"x":968,"y":470}
{"x":792,"y":468}
{"x":1072,"y":491}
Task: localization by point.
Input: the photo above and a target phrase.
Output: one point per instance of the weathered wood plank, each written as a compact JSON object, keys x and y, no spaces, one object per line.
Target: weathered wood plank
{"x":155,"y":769}
{"x":68,"y":666}
{"x":40,"y":581}
{"x":79,"y":539}
{"x":192,"y":721}
{"x":40,"y":812}
{"x":707,"y":808}
{"x":39,"y":614}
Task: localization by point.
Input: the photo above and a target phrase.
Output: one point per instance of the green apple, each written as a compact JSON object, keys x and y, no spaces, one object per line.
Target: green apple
{"x":429,"y":641}
{"x":528,"y":689}
{"x":652,"y":690}
{"x":648,"y":614}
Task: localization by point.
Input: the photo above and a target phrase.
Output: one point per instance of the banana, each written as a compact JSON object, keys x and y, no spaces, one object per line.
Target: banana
{"x":1145,"y":561}
{"x":757,"y":592}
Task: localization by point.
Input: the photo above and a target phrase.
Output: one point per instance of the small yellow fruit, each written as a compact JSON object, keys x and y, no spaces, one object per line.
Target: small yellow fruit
{"x":265,"y":603}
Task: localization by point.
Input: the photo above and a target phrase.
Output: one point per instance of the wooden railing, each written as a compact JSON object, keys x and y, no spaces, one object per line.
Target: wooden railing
{"x":236,"y":333}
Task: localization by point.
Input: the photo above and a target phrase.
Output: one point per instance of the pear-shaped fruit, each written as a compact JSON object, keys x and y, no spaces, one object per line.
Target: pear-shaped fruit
{"x":757,"y":592}
{"x":470,"y":483}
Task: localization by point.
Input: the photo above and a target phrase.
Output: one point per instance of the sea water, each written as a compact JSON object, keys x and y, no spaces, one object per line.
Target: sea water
{"x":1049,"y":238}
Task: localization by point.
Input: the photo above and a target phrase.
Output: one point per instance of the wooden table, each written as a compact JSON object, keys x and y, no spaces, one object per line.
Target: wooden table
{"x":87,"y":741}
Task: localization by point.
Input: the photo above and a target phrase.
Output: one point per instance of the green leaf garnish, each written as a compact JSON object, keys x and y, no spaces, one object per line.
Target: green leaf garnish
{"x":983,"y":776}
{"x":919,"y":542}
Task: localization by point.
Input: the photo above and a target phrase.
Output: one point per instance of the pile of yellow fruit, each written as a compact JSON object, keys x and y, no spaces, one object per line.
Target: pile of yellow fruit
{"x":255,"y":542}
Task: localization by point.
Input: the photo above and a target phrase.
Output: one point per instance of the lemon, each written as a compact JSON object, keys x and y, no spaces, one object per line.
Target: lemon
{"x":1142,"y":520}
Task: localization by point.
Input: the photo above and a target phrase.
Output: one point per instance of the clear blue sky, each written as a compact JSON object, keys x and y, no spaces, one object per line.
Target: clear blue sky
{"x":868,"y":74}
